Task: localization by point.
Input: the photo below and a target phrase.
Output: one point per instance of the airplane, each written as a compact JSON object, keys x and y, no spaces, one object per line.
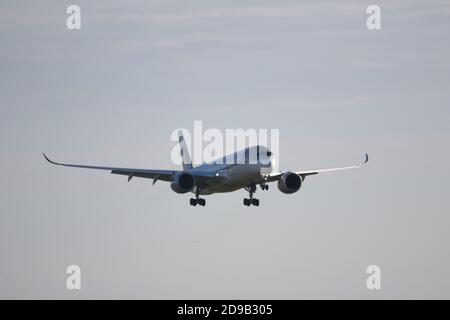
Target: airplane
{"x":221,"y":176}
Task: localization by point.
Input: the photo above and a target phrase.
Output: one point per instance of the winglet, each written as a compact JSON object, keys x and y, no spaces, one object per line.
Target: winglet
{"x":367,"y":159}
{"x":52,"y":162}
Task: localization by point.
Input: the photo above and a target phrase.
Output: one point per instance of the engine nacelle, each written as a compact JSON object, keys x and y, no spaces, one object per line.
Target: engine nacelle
{"x":184,"y":182}
{"x":289,"y":182}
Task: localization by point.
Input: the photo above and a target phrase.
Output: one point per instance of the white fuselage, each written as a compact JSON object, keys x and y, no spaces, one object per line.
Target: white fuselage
{"x":236,"y":175}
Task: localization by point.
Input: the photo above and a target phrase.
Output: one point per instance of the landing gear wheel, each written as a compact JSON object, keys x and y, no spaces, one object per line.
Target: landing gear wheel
{"x":255,"y":202}
{"x":202,"y":202}
{"x":193,"y":202}
{"x":247,"y":202}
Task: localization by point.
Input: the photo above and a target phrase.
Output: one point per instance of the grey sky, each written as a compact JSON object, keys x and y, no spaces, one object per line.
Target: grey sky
{"x":113,"y":92}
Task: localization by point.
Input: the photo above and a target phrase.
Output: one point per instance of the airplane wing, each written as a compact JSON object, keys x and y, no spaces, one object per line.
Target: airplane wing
{"x":165,"y":175}
{"x":274,"y":176}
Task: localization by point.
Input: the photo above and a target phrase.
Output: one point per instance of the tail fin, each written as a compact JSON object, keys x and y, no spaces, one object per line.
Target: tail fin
{"x":187,"y":163}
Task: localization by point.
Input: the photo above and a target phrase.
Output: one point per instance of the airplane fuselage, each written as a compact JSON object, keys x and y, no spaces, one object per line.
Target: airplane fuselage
{"x":233,"y":177}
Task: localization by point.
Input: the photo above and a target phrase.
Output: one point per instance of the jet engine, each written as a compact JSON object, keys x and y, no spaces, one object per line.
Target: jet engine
{"x":183,"y":182}
{"x":289,"y":182}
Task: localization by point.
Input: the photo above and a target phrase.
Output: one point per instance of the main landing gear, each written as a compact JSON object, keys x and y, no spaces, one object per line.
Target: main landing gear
{"x":197,"y":200}
{"x":251,"y":190}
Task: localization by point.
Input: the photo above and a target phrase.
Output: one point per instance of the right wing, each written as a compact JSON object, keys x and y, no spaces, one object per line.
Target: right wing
{"x":165,"y":175}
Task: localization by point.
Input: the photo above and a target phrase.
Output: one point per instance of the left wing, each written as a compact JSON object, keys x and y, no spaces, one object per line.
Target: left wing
{"x":274,"y":176}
